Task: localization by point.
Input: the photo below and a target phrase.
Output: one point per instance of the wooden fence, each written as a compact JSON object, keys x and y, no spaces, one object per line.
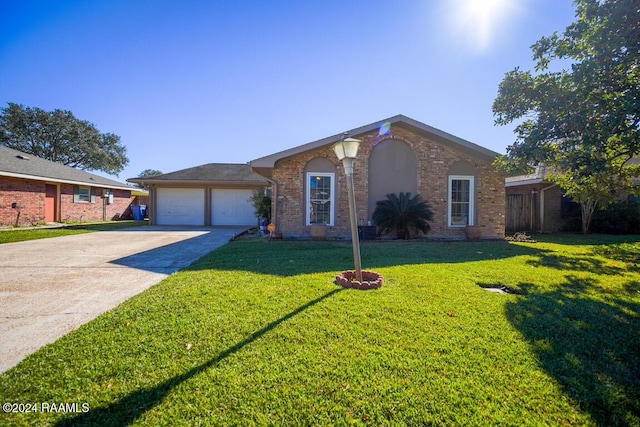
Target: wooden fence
{"x":518,"y":213}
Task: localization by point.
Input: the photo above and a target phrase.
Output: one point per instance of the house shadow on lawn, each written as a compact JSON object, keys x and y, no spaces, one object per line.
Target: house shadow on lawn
{"x":130,"y":407}
{"x":590,"y":347}
{"x":291,"y":258}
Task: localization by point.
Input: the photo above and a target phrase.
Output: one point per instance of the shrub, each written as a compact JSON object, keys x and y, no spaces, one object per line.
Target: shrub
{"x":402,"y":213}
{"x":618,"y":218}
{"x":261,"y":204}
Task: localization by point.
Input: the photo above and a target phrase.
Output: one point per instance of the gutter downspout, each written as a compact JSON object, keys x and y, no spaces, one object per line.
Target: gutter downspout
{"x":542,"y":206}
{"x":152,"y":203}
{"x":274,"y":197}
{"x":104,"y":207}
{"x":58,"y":215}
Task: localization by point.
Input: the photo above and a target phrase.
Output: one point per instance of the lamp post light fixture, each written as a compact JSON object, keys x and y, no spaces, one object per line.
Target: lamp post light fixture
{"x":346,"y":150}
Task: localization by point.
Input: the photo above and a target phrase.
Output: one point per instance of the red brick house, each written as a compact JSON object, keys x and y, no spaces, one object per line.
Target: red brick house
{"x":398,"y":154}
{"x":35,"y":190}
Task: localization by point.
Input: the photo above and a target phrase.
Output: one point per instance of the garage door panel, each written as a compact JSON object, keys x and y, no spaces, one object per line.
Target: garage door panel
{"x":180,"y":206}
{"x":232,"y":207}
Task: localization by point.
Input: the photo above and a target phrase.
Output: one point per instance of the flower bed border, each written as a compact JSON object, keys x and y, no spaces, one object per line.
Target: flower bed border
{"x":370,"y":280}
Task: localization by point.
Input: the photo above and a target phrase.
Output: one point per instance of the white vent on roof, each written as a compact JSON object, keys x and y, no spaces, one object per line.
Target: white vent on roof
{"x":20,"y":156}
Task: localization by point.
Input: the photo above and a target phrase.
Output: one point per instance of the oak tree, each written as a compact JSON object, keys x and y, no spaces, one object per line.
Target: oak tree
{"x":147,"y":173}
{"x":578,"y":110}
{"x":62,"y":138}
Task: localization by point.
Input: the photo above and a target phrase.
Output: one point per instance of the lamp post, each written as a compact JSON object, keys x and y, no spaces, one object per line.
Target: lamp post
{"x":346,"y":149}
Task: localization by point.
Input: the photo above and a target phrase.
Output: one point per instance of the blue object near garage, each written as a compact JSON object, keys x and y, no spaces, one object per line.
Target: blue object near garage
{"x":137,"y":213}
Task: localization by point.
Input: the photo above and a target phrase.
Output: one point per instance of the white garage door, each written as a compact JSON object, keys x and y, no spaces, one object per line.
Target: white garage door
{"x":232,"y":207}
{"x":180,"y":206}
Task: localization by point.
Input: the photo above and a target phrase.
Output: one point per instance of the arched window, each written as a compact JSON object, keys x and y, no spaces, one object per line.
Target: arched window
{"x":393,"y":168}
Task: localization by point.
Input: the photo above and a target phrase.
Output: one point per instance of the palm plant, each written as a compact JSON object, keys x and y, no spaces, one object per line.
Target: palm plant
{"x":403,"y":212}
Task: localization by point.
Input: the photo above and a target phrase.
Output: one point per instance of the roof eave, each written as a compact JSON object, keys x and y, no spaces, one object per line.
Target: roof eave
{"x":270,"y":161}
{"x":177,"y":182}
{"x":64,"y":181}
{"x":524,"y":182}
{"x":461,"y":143}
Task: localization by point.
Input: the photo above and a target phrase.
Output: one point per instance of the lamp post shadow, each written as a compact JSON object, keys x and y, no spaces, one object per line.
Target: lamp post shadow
{"x":132,"y":406}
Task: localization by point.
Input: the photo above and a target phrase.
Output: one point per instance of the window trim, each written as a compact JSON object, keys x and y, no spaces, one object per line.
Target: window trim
{"x":76,"y":194}
{"x":472,"y":197}
{"x":307,"y":210}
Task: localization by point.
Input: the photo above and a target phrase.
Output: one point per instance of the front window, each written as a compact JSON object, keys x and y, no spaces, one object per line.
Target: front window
{"x":84,"y":194}
{"x":320,"y":198}
{"x":461,"y":195}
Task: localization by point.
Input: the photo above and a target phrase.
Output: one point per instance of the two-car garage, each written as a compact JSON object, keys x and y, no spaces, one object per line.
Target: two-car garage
{"x":212,"y":194}
{"x":187,"y":206}
{"x":232,"y":207}
{"x":179,"y":206}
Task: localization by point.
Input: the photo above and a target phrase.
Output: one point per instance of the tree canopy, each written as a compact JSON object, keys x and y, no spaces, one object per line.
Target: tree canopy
{"x":578,"y":111}
{"x":146,"y":174}
{"x":60,"y":137}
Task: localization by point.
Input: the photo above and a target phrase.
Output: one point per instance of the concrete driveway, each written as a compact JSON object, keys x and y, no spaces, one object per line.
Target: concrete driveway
{"x":50,"y":287}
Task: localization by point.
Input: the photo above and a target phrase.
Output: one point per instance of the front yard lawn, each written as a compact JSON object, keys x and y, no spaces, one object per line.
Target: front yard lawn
{"x":257,"y":333}
{"x":24,"y":234}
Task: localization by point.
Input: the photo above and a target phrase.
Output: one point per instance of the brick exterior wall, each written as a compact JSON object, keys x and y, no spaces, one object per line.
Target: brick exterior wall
{"x":85,"y":211}
{"x":434,"y":163}
{"x":553,"y":221}
{"x":30,"y":196}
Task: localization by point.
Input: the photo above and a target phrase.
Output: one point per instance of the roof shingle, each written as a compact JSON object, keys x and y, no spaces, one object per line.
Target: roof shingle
{"x":18,"y":164}
{"x":209,"y":173}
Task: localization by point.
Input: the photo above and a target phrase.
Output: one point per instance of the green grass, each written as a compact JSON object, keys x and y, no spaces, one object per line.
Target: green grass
{"x":20,"y":235}
{"x":257,"y":333}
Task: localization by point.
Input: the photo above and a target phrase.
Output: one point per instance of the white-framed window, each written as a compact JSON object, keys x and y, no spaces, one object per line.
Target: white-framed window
{"x":461,"y":200}
{"x":84,"y":194}
{"x":320,"y":198}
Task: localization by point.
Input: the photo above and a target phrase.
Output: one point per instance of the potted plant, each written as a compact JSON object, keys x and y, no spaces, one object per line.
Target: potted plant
{"x":318,"y":231}
{"x":473,"y":232}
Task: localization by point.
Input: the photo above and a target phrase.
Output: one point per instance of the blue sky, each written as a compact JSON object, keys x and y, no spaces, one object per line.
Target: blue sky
{"x":185,"y":83}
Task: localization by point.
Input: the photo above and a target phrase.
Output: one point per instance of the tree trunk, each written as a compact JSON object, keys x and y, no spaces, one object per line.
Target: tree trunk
{"x":587,"y":208}
{"x":402,"y":233}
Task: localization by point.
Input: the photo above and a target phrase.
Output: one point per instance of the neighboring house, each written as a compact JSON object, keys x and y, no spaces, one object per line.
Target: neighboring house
{"x":398,"y":154}
{"x":211,"y":194}
{"x":34,"y":190}
{"x":535,"y":204}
